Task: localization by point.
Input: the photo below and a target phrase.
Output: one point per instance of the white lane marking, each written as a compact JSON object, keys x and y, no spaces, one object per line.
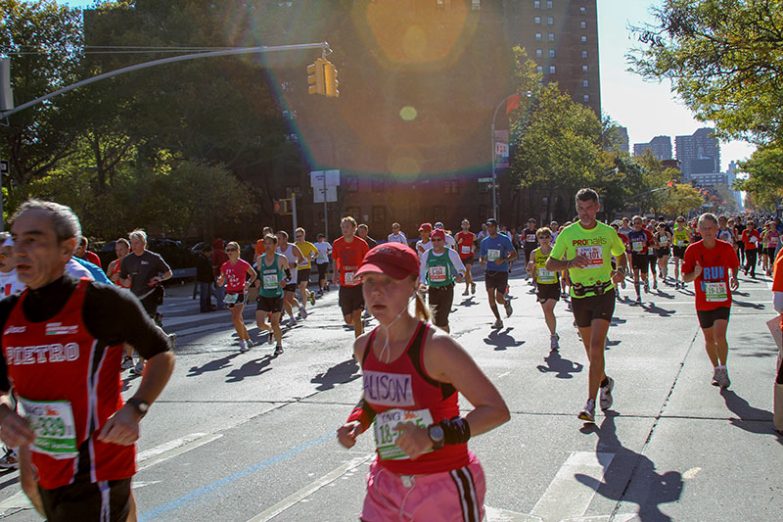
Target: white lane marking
{"x":504,"y":515}
{"x":503,"y":375}
{"x":169,"y":450}
{"x":302,"y":494}
{"x":691,"y":473}
{"x":568,"y":497}
{"x":625,"y":517}
{"x":141,"y":483}
{"x":16,"y":501}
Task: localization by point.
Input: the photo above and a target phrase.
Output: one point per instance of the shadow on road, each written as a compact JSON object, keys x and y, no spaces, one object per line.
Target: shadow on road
{"x":749,"y":418}
{"x":501,"y":339}
{"x":341,"y":373}
{"x":470,"y":301}
{"x":252,"y":368}
{"x":562,"y":368}
{"x":644,"y":486}
{"x":212,"y":366}
{"x":655,"y":309}
{"x":743,"y":304}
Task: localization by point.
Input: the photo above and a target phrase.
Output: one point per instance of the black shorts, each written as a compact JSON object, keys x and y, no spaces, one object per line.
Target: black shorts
{"x":640,"y":261}
{"x":351,"y":299}
{"x":548,"y":291}
{"x":83,"y":500}
{"x":679,"y":251}
{"x":302,"y":275}
{"x":662,"y":252}
{"x":240,"y":300}
{"x":271,"y":305}
{"x":587,"y":309}
{"x":707,"y":318}
{"x":322,"y":269}
{"x":528,"y":250}
{"x":440,"y":301}
{"x":770,"y":252}
{"x":290,"y":287}
{"x":496,"y":280}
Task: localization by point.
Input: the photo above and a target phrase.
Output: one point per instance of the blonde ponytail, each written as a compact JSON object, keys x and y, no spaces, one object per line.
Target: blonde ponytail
{"x":422,"y":311}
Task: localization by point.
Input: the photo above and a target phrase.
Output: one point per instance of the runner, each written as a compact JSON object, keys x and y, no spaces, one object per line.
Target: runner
{"x":495,"y":252}
{"x":529,"y":243}
{"x":237,"y":275}
{"x":466,"y":246}
{"x":751,"y":239}
{"x":271,"y":267}
{"x":739,"y":227}
{"x":586,"y":249}
{"x":294,"y":256}
{"x":640,"y":240}
{"x":625,"y":227}
{"x":309,"y":253}
{"x":87,"y":255}
{"x":83,"y":472}
{"x":322,"y":262}
{"x":259,"y":246}
{"x":9,"y":280}
{"x":652,"y":258}
{"x":121,"y":249}
{"x":397,"y":235}
{"x":423,"y":468}
{"x":663,"y":240}
{"x":769,"y":240}
{"x":626,"y":242}
{"x":441,"y":267}
{"x":708,"y":262}
{"x":424,"y":242}
{"x":450,"y":241}
{"x":348,"y":252}
{"x":681,"y":238}
{"x":547,"y":284}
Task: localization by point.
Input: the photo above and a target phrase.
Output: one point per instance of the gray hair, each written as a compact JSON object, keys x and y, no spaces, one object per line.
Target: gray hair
{"x":64,"y":221}
{"x":708,"y":216}
{"x":138,"y":234}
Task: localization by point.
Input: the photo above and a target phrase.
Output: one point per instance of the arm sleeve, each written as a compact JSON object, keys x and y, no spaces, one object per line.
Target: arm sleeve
{"x":456,"y":261}
{"x":115,"y":316}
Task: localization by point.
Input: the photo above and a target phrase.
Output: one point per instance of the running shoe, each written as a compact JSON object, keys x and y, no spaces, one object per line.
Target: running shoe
{"x":242,"y":346}
{"x":303,"y":313}
{"x":498,"y":324}
{"x":472,"y":288}
{"x":312,"y":298}
{"x":139,"y":368}
{"x":466,"y":292}
{"x":9,"y":460}
{"x":588,"y":412}
{"x":292,"y":322}
{"x":278,"y":350}
{"x":655,"y":285}
{"x":606,"y":398}
{"x":509,"y":310}
{"x":271,"y":337}
{"x":716,"y":377}
{"x":127,"y":362}
{"x":646,"y":287}
{"x":554,"y":342}
{"x":173,"y":340}
{"x":639,"y":300}
{"x":724,"y":381}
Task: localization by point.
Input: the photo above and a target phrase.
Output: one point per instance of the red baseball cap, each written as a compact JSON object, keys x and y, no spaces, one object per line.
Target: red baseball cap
{"x":427,"y":227}
{"x":395,"y":260}
{"x":438,"y":233}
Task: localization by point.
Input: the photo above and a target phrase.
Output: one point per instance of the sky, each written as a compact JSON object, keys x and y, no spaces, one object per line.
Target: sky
{"x":647,"y":109}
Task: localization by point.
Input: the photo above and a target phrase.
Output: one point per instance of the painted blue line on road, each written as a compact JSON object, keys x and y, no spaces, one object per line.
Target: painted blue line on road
{"x":220,"y":483}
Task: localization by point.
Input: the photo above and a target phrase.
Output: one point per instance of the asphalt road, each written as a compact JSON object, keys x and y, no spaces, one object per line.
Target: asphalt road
{"x":238,"y":437}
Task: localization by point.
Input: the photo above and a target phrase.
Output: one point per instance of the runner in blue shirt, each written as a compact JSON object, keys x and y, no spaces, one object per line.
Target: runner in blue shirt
{"x":496,"y":251}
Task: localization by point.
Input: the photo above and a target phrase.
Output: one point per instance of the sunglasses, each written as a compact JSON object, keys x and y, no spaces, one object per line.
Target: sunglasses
{"x":232,"y":250}
{"x":437,"y":240}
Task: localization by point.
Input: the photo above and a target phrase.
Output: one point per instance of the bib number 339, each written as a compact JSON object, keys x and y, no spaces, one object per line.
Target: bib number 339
{"x":55,"y":431}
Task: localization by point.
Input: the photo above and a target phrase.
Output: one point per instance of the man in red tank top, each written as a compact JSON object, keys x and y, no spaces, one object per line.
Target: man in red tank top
{"x":348,"y":252}
{"x":62,"y":343}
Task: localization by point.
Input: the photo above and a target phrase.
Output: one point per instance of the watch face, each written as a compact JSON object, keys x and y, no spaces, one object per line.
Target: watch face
{"x":436,"y":433}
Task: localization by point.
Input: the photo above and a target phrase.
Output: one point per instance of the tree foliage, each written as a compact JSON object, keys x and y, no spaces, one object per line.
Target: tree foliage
{"x":681,"y":199}
{"x":765,"y":177}
{"x":724,"y":58}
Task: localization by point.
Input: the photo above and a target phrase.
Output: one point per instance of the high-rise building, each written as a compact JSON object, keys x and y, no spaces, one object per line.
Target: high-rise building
{"x":623,"y":142}
{"x":699,"y":153}
{"x":660,"y":146}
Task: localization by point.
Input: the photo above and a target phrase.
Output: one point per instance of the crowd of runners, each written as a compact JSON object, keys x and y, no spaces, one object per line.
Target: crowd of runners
{"x":69,"y":329}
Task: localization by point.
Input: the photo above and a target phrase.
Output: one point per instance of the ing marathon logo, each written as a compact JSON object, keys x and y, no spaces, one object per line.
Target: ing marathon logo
{"x":596,"y":241}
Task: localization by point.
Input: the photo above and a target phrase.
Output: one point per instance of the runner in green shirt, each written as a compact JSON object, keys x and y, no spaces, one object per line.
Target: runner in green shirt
{"x":585,"y":249}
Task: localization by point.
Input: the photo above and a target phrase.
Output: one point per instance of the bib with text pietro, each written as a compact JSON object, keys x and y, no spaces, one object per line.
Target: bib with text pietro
{"x":55,"y":431}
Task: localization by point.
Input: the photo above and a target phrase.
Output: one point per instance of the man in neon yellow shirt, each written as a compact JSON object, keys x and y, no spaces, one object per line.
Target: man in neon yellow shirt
{"x":585,"y":249}
{"x":309,"y":253}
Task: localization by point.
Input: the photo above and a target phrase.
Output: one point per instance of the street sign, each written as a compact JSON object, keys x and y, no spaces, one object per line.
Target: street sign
{"x":3,"y":167}
{"x":485,"y":180}
{"x":332,"y":178}
{"x":331,"y":194}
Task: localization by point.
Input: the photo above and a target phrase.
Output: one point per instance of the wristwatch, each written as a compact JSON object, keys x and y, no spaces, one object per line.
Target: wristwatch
{"x":437,"y":436}
{"x":141,"y":407}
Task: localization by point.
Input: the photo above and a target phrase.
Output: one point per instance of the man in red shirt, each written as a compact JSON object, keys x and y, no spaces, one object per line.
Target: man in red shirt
{"x":777,"y":293}
{"x":751,"y":239}
{"x":348,"y":252}
{"x":708,"y":262}
{"x":87,"y":255}
{"x":466,"y":248}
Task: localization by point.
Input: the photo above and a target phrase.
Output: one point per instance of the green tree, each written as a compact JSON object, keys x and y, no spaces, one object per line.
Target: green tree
{"x":765,"y":176}
{"x":681,"y":199}
{"x":725,"y":60}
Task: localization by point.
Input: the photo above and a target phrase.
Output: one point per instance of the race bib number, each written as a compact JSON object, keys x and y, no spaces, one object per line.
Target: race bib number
{"x":466,"y":249}
{"x":349,"y":278}
{"x":773,"y":241}
{"x":531,"y":238}
{"x":231,"y":299}
{"x":754,"y":239}
{"x":637,"y":246}
{"x":493,"y":255}
{"x":545,"y":276}
{"x":594,"y":254}
{"x":270,"y":282}
{"x":55,"y":431}
{"x":437,"y":274}
{"x":386,"y":434}
{"x":716,"y":292}
{"x":663,"y":240}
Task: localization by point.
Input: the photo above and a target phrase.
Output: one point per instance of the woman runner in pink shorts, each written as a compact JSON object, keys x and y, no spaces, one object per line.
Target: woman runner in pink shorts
{"x":423,"y":470}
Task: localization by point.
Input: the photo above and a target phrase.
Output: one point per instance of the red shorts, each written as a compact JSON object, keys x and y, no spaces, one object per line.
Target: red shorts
{"x":437,"y":497}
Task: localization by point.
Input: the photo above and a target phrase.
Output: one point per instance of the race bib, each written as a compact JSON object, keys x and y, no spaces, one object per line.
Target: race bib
{"x":664,"y":240}
{"x":637,"y":246}
{"x":716,"y":292}
{"x":595,"y":254}
{"x":270,"y":282}
{"x":466,"y":249}
{"x":437,"y":274}
{"x":754,"y":239}
{"x":545,"y":276}
{"x":773,"y":240}
{"x":531,"y":238}
{"x":231,"y":299}
{"x":55,"y":431}
{"x":386,"y":434}
{"x":349,"y":278}
{"x":493,"y":255}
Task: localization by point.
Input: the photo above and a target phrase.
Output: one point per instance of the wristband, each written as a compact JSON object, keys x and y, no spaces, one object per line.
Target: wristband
{"x":456,"y":430}
{"x":362,"y":413}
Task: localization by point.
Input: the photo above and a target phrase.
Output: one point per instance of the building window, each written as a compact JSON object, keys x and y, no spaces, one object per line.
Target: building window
{"x":539,"y":53}
{"x":584,"y":68}
{"x":584,"y":54}
{"x":552,"y":69}
{"x":583,"y":39}
{"x":551,"y":53}
{"x":475,"y":5}
{"x":549,"y":4}
{"x":583,"y":25}
{"x":539,"y":69}
{"x":551,"y":37}
{"x":354,"y":212}
{"x":536,"y":4}
{"x":378,"y":215}
{"x":585,"y":84}
{"x":537,"y":20}
{"x":586,"y":98}
{"x":351,"y":183}
{"x":550,"y":20}
{"x":451,"y":187}
{"x":582,"y":10}
{"x":538,"y":37}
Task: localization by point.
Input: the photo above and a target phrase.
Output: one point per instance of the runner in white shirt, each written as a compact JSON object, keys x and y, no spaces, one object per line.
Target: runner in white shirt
{"x":451,"y":243}
{"x":424,"y":244}
{"x":322,"y":263}
{"x":9,"y":282}
{"x":397,"y":236}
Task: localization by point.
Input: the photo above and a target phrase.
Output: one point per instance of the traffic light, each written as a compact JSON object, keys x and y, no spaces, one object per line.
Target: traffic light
{"x":330,"y":80}
{"x":315,"y":77}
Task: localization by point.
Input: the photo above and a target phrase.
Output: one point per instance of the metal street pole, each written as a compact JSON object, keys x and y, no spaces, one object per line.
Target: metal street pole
{"x":492,"y":144}
{"x":326,"y":208}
